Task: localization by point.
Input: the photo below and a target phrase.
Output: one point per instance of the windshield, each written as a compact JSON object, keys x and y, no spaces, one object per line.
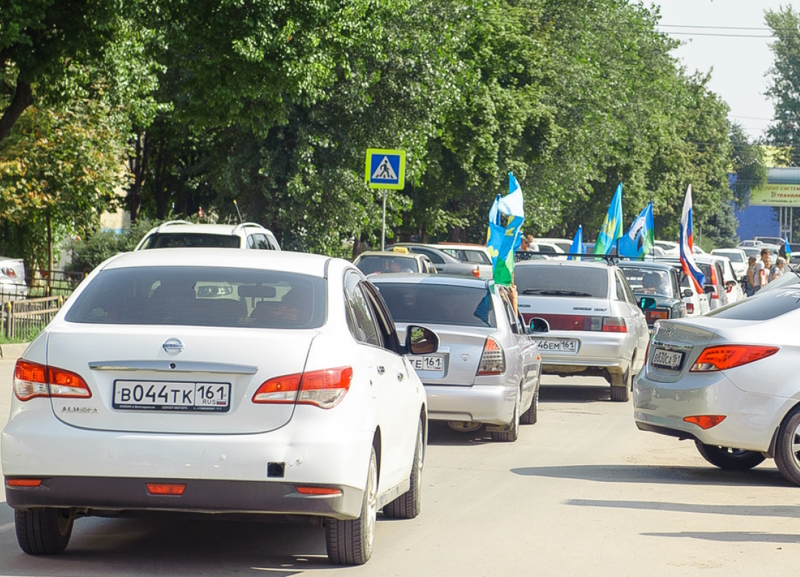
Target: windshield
{"x":438,"y":304}
{"x":202,"y":296}
{"x":386,"y":264}
{"x":648,"y":281}
{"x":189,"y":239}
{"x":562,"y":280}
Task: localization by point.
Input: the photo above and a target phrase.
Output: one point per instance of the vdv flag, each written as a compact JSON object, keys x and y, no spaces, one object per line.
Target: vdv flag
{"x":787,"y":249}
{"x":505,"y":237}
{"x":612,"y":225}
{"x":577,"y":244}
{"x":687,"y":248}
{"x":640,"y":237}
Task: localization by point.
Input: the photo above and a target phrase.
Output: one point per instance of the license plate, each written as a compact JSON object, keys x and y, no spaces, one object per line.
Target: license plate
{"x":172,"y":396}
{"x":667,"y":359}
{"x":558,"y":345}
{"x":427,"y":363}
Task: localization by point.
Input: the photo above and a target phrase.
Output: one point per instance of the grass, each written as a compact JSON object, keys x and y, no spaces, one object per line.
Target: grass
{"x":26,"y":337}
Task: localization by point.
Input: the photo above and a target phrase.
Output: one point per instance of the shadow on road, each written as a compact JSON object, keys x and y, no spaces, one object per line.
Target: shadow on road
{"x":734,"y":510}
{"x":732,"y":536}
{"x":439,"y":434}
{"x":573,"y":394}
{"x":662,"y":474}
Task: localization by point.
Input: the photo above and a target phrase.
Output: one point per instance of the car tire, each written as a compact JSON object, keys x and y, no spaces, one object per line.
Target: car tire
{"x":530,"y":416}
{"x":409,"y":504}
{"x":730,"y":459}
{"x":513,"y":433}
{"x":350,"y":542}
{"x":43,"y":531}
{"x":787,"y":448}
{"x":622,"y":393}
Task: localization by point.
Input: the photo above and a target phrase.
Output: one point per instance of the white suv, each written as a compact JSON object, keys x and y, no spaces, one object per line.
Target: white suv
{"x":180,"y":233}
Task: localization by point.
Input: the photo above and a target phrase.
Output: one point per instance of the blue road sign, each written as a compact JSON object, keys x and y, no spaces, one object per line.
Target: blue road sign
{"x":385,"y":168}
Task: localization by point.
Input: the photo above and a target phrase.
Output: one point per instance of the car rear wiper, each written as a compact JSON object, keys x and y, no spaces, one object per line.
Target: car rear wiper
{"x":555,"y":292}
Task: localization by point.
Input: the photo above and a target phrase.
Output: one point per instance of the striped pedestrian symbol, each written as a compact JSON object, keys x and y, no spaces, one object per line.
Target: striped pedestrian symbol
{"x":384,"y":171}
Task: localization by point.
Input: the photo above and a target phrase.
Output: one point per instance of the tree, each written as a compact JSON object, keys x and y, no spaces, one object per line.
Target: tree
{"x":785,"y":88}
{"x":748,"y":164}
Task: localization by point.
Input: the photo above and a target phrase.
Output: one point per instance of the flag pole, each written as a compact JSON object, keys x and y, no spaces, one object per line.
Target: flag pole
{"x":383,"y":223}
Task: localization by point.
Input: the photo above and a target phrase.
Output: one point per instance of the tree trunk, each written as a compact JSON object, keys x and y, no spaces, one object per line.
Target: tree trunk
{"x":138,"y":166}
{"x":23,"y":98}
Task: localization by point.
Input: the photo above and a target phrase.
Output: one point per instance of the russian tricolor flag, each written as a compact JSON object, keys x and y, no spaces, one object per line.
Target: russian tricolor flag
{"x":687,"y":249}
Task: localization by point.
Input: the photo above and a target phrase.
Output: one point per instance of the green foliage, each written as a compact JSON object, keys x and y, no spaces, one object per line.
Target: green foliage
{"x":88,"y":253}
{"x":785,"y":87}
{"x":748,"y":164}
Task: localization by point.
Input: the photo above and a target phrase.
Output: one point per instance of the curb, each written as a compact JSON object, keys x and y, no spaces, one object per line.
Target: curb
{"x":13,"y":351}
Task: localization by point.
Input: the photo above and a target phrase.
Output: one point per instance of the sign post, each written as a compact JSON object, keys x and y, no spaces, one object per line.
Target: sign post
{"x":385,"y":169}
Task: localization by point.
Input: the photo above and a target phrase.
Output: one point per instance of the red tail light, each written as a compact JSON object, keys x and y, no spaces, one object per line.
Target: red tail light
{"x":614,"y":325}
{"x":324,"y":388}
{"x":166,"y":488}
{"x":689,"y":309}
{"x":23,"y":482}
{"x":33,"y":380}
{"x":318,"y":491}
{"x":652,"y":316}
{"x":493,"y":360}
{"x":476,"y":272}
{"x":724,"y":357}
{"x":705,"y":421}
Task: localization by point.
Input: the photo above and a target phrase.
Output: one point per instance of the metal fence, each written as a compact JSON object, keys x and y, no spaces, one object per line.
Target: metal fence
{"x":24,"y":318}
{"x":47,"y":283}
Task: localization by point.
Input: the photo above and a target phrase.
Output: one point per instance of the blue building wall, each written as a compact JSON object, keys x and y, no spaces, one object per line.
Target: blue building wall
{"x":762,"y":220}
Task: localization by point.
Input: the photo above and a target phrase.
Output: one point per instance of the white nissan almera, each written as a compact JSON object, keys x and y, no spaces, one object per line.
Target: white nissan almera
{"x":218,"y":381}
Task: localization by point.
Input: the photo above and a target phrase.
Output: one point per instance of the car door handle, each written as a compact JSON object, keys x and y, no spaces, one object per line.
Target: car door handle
{"x":399,"y":376}
{"x":381,"y":370}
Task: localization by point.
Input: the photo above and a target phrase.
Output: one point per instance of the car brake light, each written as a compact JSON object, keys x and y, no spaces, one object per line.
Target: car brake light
{"x":476,"y":272}
{"x":324,"y":388}
{"x":689,"y":308}
{"x":33,"y":380}
{"x":23,"y":482}
{"x":724,"y":357}
{"x":614,"y":325}
{"x":493,"y":360}
{"x":166,"y":488}
{"x":652,"y":316}
{"x":318,"y":491}
{"x":705,"y":421}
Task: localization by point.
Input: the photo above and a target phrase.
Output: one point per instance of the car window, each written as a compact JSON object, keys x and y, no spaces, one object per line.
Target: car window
{"x":438,"y":304}
{"x":562,"y":280}
{"x":435,"y":257}
{"x":259,"y":242}
{"x":191,"y":239}
{"x":647,"y":280}
{"x":765,"y":307}
{"x":509,"y":312}
{"x":381,"y":264}
{"x":202,"y":296}
{"x":362,"y":321}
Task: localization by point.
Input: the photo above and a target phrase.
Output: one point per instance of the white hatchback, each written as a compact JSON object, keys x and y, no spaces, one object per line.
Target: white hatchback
{"x":218,"y":381}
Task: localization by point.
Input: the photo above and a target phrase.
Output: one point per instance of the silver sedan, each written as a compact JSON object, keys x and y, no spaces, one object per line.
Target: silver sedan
{"x":487,"y":369}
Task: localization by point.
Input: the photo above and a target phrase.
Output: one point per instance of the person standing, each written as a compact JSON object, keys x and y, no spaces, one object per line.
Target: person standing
{"x":749,"y":284}
{"x":777,"y":270}
{"x":761,"y":271}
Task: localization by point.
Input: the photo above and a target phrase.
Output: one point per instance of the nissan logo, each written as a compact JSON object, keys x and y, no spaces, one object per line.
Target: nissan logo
{"x":173,"y":346}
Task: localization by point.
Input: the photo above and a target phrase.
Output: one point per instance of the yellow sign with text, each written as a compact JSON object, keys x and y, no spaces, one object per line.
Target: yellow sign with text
{"x":775,"y":195}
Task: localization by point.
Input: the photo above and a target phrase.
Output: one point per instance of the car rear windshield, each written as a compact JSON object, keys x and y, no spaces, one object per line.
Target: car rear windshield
{"x":202,"y":296}
{"x":438,"y":304}
{"x":761,"y":308}
{"x":733,"y":256}
{"x":562,"y":280}
{"x":190,"y":239}
{"x":650,"y":281}
{"x":387,"y":264}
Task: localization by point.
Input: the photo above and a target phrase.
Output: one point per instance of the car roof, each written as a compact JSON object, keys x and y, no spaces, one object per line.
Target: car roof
{"x":182,"y":226}
{"x":438,"y":279}
{"x":303,"y":263}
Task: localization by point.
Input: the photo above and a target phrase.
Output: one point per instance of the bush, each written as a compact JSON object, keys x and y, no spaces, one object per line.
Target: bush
{"x":87,"y":254}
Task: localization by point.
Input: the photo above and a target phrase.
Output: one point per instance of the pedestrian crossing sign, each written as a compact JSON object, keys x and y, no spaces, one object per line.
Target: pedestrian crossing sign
{"x":386,"y":168}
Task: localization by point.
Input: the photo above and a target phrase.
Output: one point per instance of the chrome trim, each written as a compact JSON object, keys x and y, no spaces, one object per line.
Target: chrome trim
{"x":172,"y":367}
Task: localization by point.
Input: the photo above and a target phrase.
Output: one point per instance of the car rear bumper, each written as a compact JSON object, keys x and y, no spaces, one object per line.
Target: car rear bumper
{"x":493,"y":404}
{"x":750,"y":419}
{"x":607,"y":352}
{"x":103,"y":495}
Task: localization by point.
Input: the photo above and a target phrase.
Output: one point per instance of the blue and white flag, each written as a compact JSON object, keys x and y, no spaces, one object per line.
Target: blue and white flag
{"x":687,"y":248}
{"x":612,"y":225}
{"x":505,"y":237}
{"x":577,"y":244}
{"x":640,"y":237}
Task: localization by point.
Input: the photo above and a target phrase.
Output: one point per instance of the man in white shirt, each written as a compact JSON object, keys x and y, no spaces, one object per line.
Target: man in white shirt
{"x":762,"y":269}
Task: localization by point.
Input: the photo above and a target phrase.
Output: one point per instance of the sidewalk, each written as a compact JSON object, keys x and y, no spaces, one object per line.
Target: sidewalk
{"x":12,"y":352}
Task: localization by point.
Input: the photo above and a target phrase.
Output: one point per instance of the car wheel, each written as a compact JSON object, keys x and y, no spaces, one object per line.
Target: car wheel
{"x":43,"y":531}
{"x":787,"y":448}
{"x":350,"y":542}
{"x":513,"y":433}
{"x":730,"y":459}
{"x":622,"y":393}
{"x":409,"y":504}
{"x":530,"y":416}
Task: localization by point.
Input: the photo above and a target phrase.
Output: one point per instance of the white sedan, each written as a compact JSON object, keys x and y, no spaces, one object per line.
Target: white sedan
{"x":218,"y":381}
{"x":729,"y":382}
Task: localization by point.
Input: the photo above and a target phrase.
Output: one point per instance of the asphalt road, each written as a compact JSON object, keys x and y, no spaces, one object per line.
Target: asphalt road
{"x":582,"y":492}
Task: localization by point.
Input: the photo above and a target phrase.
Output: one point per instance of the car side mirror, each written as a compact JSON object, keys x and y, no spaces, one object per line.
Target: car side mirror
{"x":647,"y":303}
{"x":539,"y":325}
{"x":421,"y":340}
{"x":688,"y":293}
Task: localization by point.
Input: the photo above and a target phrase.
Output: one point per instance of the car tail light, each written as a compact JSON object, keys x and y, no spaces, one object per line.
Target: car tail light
{"x":724,"y":357}
{"x":166,"y":488}
{"x":493,"y":360}
{"x":653,"y":316}
{"x":476,"y":272}
{"x":23,"y":482}
{"x":324,"y":388}
{"x":705,"y":421}
{"x":614,"y":325}
{"x":689,"y":308}
{"x":318,"y":491}
{"x":33,"y":380}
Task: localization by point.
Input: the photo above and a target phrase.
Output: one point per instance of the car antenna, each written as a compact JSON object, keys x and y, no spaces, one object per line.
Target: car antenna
{"x":236,"y":204}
